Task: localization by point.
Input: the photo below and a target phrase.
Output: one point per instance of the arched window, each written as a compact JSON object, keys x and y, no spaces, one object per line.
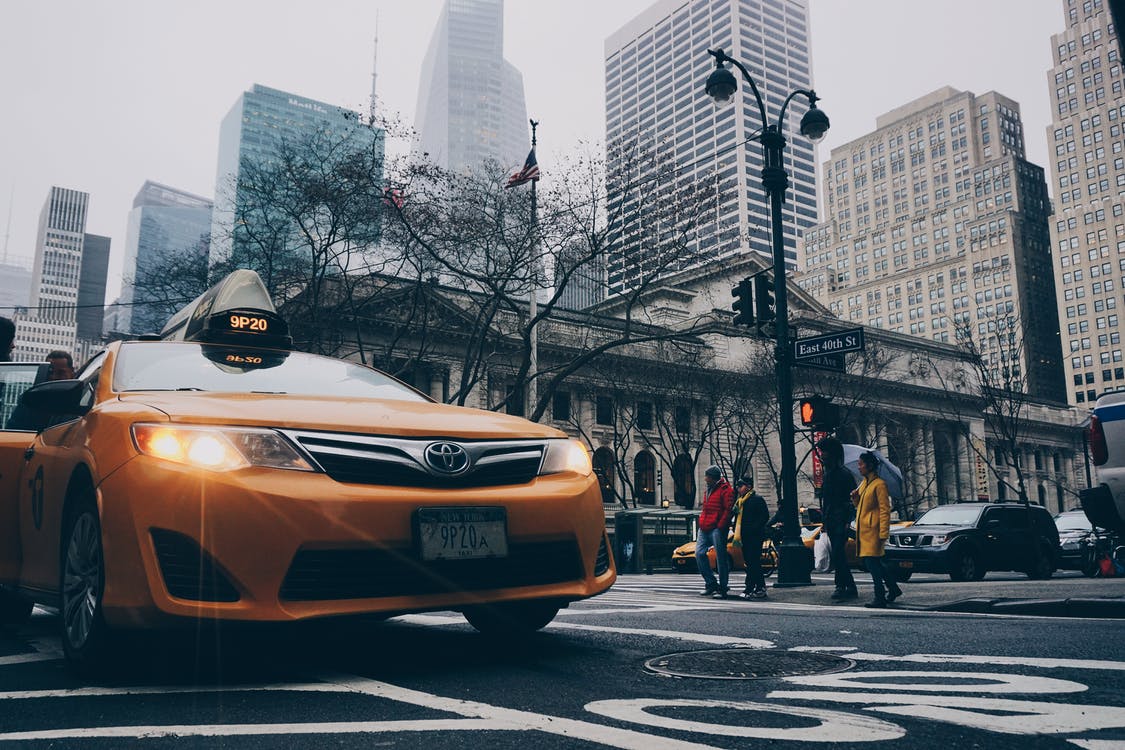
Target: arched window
{"x":603,"y":467}
{"x":1043,"y":496}
{"x":683,"y":478}
{"x":644,"y":478}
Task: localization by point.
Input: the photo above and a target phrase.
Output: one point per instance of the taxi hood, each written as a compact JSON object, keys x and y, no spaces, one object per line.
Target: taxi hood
{"x":335,"y":414}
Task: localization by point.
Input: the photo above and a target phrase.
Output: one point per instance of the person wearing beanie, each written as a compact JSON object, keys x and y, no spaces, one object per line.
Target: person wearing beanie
{"x":714,"y":519}
{"x":750,"y":517}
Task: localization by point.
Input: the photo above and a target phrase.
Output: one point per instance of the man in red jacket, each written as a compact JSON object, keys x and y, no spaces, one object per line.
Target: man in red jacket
{"x":714,"y":519}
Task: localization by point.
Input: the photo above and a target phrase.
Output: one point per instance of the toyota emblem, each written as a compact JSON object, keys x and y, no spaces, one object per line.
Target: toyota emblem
{"x":448,"y":458}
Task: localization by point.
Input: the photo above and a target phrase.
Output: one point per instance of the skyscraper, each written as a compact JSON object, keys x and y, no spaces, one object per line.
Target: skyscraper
{"x":1088,"y":172}
{"x":937,"y":227}
{"x":470,"y":99}
{"x":91,"y":287}
{"x":165,"y":224}
{"x":655,"y":67}
{"x":51,"y":321}
{"x":255,"y":129}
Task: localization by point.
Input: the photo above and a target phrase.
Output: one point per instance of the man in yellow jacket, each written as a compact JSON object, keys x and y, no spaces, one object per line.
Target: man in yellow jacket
{"x":873,"y":528}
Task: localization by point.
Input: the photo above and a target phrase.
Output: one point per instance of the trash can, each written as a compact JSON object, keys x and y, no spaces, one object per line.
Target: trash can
{"x":629,"y":548}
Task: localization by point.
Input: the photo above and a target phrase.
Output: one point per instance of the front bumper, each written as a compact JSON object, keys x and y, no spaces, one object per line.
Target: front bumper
{"x":921,"y":559}
{"x":276,"y":546}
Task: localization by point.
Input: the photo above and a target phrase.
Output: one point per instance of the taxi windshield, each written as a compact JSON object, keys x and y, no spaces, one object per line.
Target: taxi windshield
{"x":156,"y":366}
{"x":950,"y":515}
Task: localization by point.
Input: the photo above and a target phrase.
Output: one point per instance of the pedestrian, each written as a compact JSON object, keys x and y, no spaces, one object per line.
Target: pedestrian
{"x":714,"y":520}
{"x":836,"y":499}
{"x":750,"y":518}
{"x":7,"y":339}
{"x":873,"y":528}
{"x":62,"y":366}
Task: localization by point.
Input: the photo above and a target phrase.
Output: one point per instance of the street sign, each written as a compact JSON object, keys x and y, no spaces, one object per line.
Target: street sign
{"x":833,"y":362}
{"x":829,"y":343}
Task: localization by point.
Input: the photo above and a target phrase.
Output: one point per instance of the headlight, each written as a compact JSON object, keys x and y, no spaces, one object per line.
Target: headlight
{"x":218,"y":448}
{"x":566,"y":455}
{"x":939,"y":539}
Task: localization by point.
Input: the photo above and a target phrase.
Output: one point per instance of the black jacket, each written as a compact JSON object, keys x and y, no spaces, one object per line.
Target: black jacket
{"x":755,"y":515}
{"x":836,"y":498}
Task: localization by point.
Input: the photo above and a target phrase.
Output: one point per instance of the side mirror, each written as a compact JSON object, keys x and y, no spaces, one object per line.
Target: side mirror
{"x":55,"y":397}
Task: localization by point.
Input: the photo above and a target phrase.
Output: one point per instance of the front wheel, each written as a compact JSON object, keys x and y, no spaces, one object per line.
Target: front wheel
{"x":85,"y":636}
{"x":966,"y":566}
{"x":511,"y":618}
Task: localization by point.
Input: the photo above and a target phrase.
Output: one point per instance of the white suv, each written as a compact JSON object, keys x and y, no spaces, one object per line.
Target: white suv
{"x":1105,"y":503}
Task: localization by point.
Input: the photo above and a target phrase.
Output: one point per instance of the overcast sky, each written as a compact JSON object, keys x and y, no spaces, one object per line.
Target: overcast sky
{"x":100,"y":95}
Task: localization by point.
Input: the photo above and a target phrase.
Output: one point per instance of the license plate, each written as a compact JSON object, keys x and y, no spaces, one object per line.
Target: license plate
{"x":905,"y":564}
{"x":462,"y":533}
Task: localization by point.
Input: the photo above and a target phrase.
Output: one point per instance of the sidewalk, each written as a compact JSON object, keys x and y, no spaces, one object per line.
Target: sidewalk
{"x":1068,"y":594}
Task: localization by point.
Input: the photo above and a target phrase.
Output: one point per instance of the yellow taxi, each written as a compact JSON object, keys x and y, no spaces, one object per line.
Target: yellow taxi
{"x":216,"y":473}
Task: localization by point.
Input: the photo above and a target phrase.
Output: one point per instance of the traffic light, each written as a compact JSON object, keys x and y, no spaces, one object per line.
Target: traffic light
{"x":743,"y":304}
{"x":819,"y":412}
{"x":763,"y":299}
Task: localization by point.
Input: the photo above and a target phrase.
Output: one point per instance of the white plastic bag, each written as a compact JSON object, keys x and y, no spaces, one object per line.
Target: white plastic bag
{"x":822,"y":554}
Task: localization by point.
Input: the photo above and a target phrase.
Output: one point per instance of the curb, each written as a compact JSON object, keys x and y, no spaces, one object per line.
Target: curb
{"x":1096,"y":608}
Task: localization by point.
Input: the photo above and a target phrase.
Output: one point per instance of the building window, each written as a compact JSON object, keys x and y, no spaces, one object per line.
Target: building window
{"x":644,"y":415}
{"x":604,"y":410}
{"x":560,"y":406}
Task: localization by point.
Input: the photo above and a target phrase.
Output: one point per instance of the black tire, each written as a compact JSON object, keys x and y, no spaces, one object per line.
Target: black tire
{"x":14,"y":609}
{"x":966,"y":566}
{"x":86,"y":639}
{"x":512,"y":618}
{"x":1043,"y":566}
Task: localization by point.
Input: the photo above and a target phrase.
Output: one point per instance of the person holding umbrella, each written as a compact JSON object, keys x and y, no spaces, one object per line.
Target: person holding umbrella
{"x":873,"y":528}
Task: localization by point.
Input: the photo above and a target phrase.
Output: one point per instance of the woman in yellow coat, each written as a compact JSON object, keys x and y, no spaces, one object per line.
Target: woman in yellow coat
{"x":872,"y":528}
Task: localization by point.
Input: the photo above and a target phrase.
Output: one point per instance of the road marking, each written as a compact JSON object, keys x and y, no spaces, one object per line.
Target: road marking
{"x":517,"y":719}
{"x":719,"y":640}
{"x":1010,"y":661}
{"x":833,"y":726}
{"x":997,"y":682}
{"x":26,"y":658}
{"x":232,"y":730}
{"x":1098,"y":744}
{"x":1022,"y":717}
{"x":314,"y":687}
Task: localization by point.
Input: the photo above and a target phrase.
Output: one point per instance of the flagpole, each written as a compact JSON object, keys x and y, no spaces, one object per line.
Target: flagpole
{"x":533,"y":302}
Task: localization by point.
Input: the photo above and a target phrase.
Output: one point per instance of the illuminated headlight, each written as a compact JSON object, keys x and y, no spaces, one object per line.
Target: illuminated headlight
{"x":566,"y":455}
{"x":218,"y":448}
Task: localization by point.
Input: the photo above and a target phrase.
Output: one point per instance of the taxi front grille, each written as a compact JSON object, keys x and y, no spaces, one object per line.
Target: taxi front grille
{"x":373,"y":573}
{"x":395,"y":462}
{"x":188,"y":571}
{"x":601,"y":562}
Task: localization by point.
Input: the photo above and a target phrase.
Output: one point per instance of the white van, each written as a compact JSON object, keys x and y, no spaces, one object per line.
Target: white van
{"x":1105,"y":503}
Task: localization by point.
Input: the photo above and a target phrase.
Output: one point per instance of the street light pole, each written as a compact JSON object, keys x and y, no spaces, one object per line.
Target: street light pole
{"x":795,"y":564}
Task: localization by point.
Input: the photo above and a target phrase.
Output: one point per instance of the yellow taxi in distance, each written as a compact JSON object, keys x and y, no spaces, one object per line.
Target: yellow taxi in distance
{"x":219,"y":474}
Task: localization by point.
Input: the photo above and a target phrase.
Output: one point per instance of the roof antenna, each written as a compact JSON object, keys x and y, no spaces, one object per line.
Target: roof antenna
{"x":374,"y":68}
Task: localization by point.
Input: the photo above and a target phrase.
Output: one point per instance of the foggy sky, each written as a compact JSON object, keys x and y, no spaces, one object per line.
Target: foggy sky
{"x":100,"y":95}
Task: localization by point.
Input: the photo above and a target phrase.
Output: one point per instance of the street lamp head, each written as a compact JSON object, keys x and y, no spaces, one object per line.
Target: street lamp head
{"x":721,"y":84}
{"x":814,"y":124}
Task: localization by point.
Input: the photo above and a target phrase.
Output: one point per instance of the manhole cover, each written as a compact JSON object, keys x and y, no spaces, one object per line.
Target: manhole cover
{"x":746,"y":664}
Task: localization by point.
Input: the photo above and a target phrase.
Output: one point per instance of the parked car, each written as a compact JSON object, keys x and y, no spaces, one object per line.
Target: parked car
{"x":1075,"y":539}
{"x":966,"y":540}
{"x":683,"y":557}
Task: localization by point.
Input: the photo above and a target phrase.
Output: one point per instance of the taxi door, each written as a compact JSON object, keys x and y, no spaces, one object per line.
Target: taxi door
{"x":15,"y":378}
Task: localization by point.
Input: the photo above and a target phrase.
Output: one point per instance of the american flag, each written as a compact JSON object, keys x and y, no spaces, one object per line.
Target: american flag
{"x":529,"y":172}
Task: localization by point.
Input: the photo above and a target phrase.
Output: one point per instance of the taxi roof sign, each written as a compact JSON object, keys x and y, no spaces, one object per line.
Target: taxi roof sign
{"x":236,"y":310}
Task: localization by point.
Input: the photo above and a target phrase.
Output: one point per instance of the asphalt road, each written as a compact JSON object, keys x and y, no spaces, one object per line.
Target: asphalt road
{"x":838,"y":676}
